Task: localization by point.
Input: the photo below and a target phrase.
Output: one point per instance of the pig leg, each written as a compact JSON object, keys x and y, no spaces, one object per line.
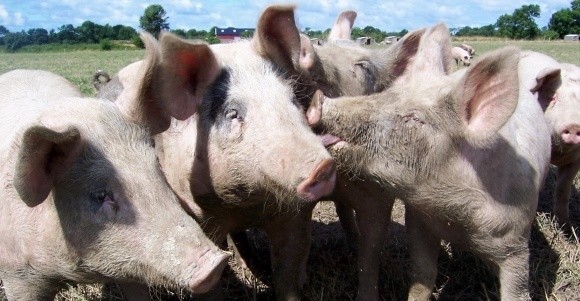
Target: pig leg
{"x":373,"y":209}
{"x":566,"y":175}
{"x":373,"y":221}
{"x":424,"y":249}
{"x":513,"y":272}
{"x":289,"y":236}
{"x":347,"y":218}
{"x":30,"y":289}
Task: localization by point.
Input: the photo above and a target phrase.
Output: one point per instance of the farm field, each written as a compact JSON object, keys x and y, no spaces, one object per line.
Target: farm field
{"x":555,"y":253}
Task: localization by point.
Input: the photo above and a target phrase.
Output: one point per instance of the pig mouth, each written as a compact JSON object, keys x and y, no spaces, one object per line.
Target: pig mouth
{"x":329,"y":140}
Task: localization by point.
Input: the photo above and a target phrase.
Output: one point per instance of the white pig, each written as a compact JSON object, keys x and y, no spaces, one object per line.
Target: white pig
{"x":84,"y":199}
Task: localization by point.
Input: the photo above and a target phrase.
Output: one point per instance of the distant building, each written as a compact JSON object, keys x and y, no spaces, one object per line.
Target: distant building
{"x":230,"y":34}
{"x":572,"y":37}
{"x":365,"y":41}
{"x":391,"y":39}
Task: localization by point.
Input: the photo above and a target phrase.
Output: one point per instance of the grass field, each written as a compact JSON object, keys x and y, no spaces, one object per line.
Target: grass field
{"x":555,"y":255}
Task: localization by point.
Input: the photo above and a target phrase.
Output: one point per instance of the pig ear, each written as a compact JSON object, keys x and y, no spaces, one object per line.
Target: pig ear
{"x":277,"y":37}
{"x":307,"y":53}
{"x":487,"y":95}
{"x":403,"y":51}
{"x":547,"y":81}
{"x":171,"y":81}
{"x":185,"y":71}
{"x":434,"y":54}
{"x":343,"y":26}
{"x":45,"y":155}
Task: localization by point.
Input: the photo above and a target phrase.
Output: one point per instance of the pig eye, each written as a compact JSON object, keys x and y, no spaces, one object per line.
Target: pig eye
{"x":231,"y":113}
{"x":100,"y":196}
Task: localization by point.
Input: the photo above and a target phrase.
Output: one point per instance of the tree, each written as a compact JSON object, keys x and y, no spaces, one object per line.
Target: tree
{"x":179,"y":32}
{"x":566,"y":20}
{"x":16,"y":40}
{"x":89,"y":32}
{"x":154,"y":20}
{"x":3,"y":31}
{"x":520,"y":24}
{"x":247,"y":34}
{"x":66,"y":34}
{"x":38,"y":36}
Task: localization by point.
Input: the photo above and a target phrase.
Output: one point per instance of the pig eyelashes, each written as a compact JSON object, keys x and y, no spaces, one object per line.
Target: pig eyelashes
{"x":101,"y":197}
{"x":232,"y":114}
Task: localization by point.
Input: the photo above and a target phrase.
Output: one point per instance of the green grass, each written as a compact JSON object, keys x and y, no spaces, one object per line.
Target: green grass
{"x":555,"y":256}
{"x":76,"y":66}
{"x":568,"y":52}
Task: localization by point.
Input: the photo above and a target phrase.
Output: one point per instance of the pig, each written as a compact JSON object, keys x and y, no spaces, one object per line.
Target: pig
{"x":467,"y":155}
{"x":468,"y":48}
{"x":461,"y":55}
{"x":247,"y":158}
{"x":564,"y":121}
{"x":340,"y":66}
{"x":357,"y":193}
{"x":82,"y":195}
{"x":560,"y":102}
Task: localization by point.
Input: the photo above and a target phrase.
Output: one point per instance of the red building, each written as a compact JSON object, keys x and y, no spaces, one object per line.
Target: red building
{"x":231,"y":34}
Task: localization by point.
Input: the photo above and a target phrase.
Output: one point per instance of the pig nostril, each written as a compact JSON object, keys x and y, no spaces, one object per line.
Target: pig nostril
{"x":566,"y":132}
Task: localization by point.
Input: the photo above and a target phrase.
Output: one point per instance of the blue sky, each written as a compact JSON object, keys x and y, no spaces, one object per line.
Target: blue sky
{"x":387,"y":15}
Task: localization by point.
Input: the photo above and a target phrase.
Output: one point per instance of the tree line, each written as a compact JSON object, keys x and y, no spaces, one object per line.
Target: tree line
{"x":518,"y":25}
{"x":521,"y":25}
{"x":153,"y":21}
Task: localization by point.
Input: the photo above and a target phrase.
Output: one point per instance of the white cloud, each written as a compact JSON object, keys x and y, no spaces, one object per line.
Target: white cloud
{"x":3,"y":14}
{"x":18,"y":19}
{"x":8,"y":19}
{"x":182,"y":4}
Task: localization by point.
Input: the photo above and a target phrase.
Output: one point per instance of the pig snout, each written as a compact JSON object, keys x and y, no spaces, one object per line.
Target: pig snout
{"x":320,"y":182}
{"x":571,"y":134}
{"x":209,"y":268}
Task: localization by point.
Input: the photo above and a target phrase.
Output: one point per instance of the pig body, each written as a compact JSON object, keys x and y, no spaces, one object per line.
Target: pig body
{"x":560,"y":99}
{"x":81,"y":196}
{"x":247,"y":158}
{"x":468,"y":48}
{"x":461,"y":55}
{"x":467,"y":163}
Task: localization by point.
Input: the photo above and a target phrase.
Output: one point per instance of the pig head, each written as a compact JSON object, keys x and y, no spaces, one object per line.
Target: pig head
{"x":467,"y":156}
{"x":83,"y":195}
